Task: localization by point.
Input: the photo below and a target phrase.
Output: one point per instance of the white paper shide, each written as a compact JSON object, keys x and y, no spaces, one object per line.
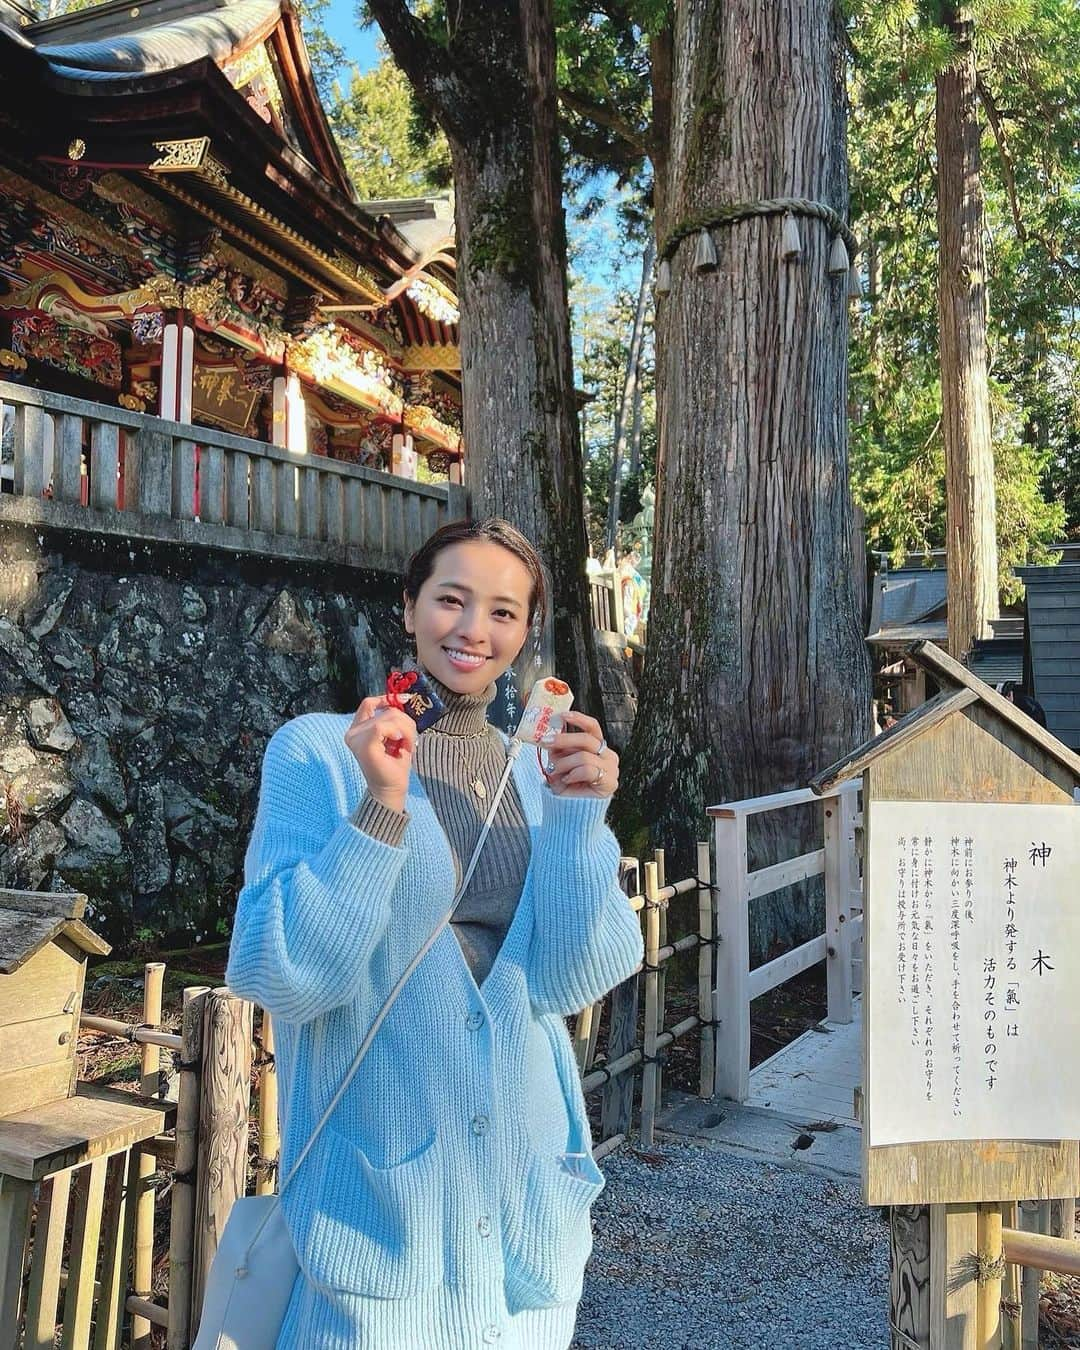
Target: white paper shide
{"x":973,"y":951}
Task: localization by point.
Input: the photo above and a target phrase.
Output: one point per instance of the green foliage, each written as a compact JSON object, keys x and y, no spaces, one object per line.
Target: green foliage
{"x":1028,"y":55}
{"x":390,"y":148}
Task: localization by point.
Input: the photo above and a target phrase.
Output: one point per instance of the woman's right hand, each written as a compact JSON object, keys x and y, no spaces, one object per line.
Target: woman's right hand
{"x":376,"y":730}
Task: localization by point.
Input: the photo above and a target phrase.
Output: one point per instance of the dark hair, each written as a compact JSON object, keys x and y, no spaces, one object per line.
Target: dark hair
{"x":422,"y":563}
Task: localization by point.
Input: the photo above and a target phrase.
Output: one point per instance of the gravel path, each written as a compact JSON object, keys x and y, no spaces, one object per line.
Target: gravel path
{"x":698,"y":1248}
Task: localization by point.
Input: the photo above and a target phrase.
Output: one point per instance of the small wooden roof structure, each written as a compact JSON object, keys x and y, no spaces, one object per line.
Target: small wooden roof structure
{"x":30,"y":920}
{"x":958,"y":689}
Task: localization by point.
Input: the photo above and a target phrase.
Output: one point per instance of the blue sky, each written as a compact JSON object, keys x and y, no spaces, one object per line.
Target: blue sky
{"x":359,"y":43}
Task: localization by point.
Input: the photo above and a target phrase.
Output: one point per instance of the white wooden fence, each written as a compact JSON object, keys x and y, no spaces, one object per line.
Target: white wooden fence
{"x":90,"y":466}
{"x":840,"y":945}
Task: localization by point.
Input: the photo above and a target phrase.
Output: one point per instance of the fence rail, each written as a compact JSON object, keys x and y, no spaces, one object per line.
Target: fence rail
{"x":840,"y":945}
{"x":104,"y":469}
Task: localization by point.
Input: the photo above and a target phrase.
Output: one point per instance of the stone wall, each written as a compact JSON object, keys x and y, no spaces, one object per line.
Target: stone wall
{"x":139,"y":684}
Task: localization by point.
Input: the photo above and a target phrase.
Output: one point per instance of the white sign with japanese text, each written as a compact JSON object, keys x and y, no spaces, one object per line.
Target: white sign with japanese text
{"x":973,"y":984}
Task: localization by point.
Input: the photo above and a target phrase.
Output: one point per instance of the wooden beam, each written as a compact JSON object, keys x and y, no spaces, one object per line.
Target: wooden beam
{"x":786,"y":967}
{"x":768,"y":879}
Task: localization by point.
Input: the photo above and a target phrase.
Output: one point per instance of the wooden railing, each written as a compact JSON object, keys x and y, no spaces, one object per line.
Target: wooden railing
{"x":840,"y":945}
{"x":87,"y":466}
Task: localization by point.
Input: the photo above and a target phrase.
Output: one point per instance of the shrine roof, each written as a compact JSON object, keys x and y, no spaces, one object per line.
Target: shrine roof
{"x":904,"y":599}
{"x":105,"y":42}
{"x":959,"y":689}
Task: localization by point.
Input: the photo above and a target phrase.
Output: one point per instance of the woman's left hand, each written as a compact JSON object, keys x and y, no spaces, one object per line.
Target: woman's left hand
{"x":580,"y":763}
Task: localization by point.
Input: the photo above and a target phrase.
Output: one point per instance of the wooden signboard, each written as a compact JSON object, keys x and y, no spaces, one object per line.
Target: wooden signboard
{"x":965,"y":1101}
{"x":968,"y":747}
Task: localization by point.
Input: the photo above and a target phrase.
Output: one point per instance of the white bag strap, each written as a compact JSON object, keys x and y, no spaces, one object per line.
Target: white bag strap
{"x":512,"y":753}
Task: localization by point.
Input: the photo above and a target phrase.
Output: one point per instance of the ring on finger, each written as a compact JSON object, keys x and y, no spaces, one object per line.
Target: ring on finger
{"x":602,"y":746}
{"x":599,"y":776}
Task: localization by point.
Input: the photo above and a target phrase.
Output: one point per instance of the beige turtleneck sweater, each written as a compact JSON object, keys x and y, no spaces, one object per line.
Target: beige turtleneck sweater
{"x":461,"y":748}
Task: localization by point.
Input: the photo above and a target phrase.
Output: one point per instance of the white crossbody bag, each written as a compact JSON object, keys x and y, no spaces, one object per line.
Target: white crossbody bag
{"x":254,"y":1268}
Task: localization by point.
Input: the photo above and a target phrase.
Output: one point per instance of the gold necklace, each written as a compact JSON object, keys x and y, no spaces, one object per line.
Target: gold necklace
{"x":474,"y":780}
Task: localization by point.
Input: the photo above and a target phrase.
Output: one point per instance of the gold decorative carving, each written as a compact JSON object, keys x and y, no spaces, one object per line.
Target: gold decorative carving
{"x":131,"y":403}
{"x":180,"y":156}
{"x":10,"y":360}
{"x":214,"y":170}
{"x":77,"y":149}
{"x":431,"y":358}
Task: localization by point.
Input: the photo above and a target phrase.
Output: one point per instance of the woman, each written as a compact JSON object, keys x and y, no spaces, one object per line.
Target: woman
{"x":445,"y":1205}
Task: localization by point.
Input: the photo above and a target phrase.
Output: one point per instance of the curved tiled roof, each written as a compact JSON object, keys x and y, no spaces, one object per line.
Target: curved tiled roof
{"x":216,"y":34}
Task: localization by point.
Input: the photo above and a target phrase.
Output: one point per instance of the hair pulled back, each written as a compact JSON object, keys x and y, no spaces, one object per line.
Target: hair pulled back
{"x":493,"y":530}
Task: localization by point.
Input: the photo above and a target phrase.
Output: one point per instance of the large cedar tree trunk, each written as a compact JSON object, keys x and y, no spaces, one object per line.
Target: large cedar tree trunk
{"x":971,"y":546}
{"x":492,"y":89}
{"x":756,"y":674}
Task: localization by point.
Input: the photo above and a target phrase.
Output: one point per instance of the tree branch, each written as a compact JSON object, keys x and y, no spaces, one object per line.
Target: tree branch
{"x":435,"y":78}
{"x":1007,"y":171}
{"x":604,"y":115}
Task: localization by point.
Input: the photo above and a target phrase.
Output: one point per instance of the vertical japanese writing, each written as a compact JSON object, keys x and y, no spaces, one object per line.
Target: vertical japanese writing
{"x":954,"y":948}
{"x":915,"y":892}
{"x":1012,"y":933}
{"x":901,"y":919}
{"x":928,"y":965}
{"x":969,"y":879}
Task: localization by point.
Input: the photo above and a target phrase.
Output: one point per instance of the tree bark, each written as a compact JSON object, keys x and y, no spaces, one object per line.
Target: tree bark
{"x":971,"y":545}
{"x":756,"y":674}
{"x":492,"y":89}
{"x":635,"y":433}
{"x":628,"y":399}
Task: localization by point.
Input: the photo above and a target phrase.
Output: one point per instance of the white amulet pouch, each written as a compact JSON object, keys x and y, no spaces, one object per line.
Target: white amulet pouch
{"x":546,"y":699}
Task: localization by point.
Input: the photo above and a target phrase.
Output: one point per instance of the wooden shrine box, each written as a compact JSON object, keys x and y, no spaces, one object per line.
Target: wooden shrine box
{"x":963,"y":751}
{"x":43,"y":949}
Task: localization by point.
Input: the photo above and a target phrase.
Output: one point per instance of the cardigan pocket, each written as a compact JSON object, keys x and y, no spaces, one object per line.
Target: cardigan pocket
{"x":549,"y":1237}
{"x":373,"y":1230}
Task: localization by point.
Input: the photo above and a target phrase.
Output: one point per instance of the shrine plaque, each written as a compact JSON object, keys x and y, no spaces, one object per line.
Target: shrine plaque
{"x":972,"y":1016}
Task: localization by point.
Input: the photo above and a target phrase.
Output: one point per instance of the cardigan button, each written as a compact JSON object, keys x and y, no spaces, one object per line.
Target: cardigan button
{"x":475,"y":1021}
{"x":480,"y":1124}
{"x":491,"y":1335}
{"x":483,"y":1226}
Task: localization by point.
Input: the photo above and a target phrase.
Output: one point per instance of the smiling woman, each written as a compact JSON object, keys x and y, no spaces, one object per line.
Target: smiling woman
{"x":447,"y":1202}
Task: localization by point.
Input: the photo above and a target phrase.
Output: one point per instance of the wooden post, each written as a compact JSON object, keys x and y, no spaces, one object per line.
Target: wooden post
{"x":50,"y":1224}
{"x":991,"y":1273}
{"x":705,"y":972}
{"x":732,"y":960}
{"x":182,"y":1209}
{"x":117,"y":1233}
{"x":15,"y":1200}
{"x":939,"y":1299}
{"x":269,"y":1139}
{"x":1011,"y":1332}
{"x":617,"y":1106}
{"x":650,"y":1078}
{"x":839,"y":845}
{"x":661,"y":975}
{"x":1034,"y":1217}
{"x":223,"y":1125}
{"x":143,"y":1276}
{"x":83,"y":1253}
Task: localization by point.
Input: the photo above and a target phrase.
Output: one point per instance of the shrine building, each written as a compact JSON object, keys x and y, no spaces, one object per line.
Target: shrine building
{"x":179,"y":239}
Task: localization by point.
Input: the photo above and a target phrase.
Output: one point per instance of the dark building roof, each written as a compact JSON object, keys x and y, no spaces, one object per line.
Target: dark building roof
{"x":997,"y":659}
{"x":1052,"y":645}
{"x":908,"y":604}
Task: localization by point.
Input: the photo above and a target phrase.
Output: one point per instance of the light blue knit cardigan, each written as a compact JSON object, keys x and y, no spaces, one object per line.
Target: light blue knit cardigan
{"x":451,"y":1188}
